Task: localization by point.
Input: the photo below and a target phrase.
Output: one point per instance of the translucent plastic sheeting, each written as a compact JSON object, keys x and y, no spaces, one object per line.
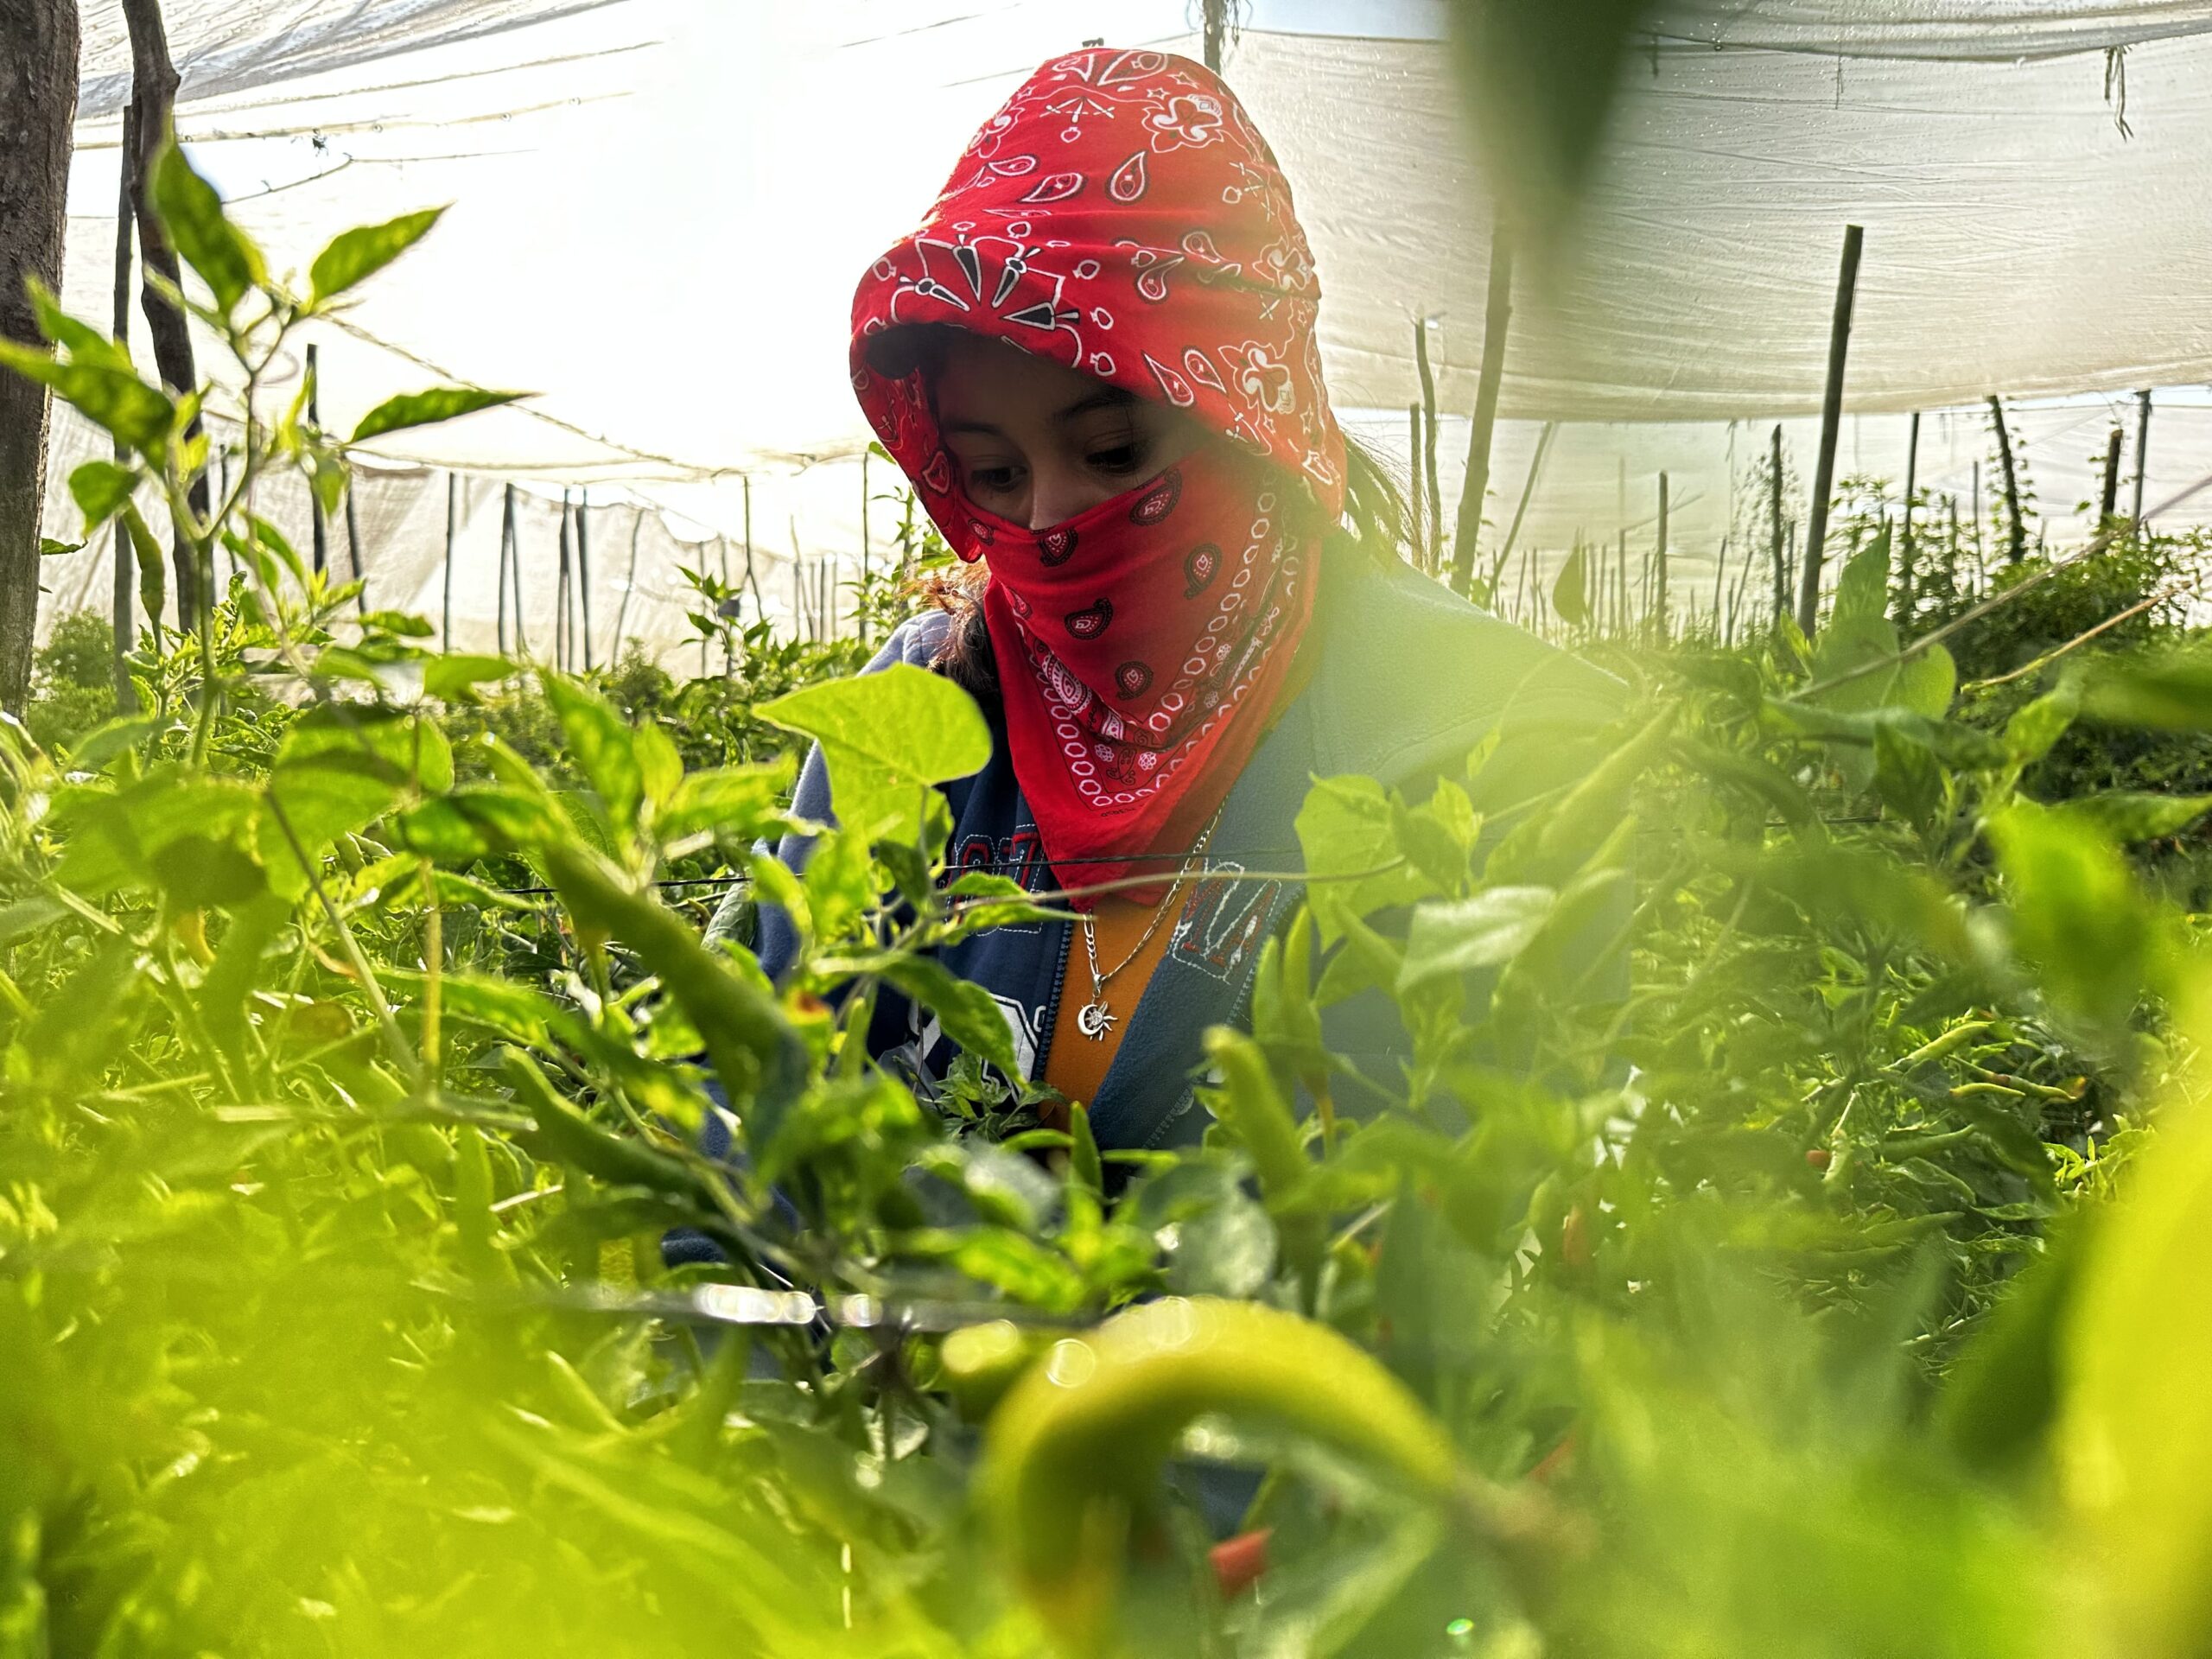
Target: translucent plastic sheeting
{"x":1990,"y":31}
{"x":660,"y":205}
{"x":227,"y":46}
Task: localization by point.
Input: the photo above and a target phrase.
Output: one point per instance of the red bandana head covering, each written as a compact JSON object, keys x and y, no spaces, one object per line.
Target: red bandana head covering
{"x":1122,"y":216}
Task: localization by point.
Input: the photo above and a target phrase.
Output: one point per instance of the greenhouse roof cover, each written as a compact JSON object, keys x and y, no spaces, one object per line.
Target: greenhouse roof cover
{"x":662,"y":206}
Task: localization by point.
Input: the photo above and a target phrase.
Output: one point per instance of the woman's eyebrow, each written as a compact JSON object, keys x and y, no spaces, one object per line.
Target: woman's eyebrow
{"x":1104,"y":397}
{"x":983,"y":428}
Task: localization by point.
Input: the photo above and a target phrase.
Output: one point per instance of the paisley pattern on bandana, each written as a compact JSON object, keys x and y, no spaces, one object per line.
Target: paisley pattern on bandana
{"x":1122,"y":216}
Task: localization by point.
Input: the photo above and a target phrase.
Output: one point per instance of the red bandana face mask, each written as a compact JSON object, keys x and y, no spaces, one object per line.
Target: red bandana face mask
{"x":1143,"y":645}
{"x":1122,"y":216}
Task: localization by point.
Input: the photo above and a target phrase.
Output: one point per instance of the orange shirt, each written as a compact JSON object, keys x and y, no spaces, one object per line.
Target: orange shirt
{"x":1074,"y":1064}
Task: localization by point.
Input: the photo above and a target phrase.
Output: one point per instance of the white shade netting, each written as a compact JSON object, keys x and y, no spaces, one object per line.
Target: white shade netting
{"x":660,"y":208}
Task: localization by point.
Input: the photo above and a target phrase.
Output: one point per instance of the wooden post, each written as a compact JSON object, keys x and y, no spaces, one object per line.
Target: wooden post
{"x":1781,"y":570}
{"x":563,"y":627}
{"x":1720,"y":583}
{"x":506,"y":552}
{"x":2108,"y":500}
{"x":1216,"y":31}
{"x":452,"y":531}
{"x":154,"y":84}
{"x":1432,"y":548}
{"x":1620,"y":591}
{"x":1498,"y":317}
{"x":1817,"y":522}
{"x":751,"y":580}
{"x":584,"y":569}
{"x":1905,"y":584}
{"x":2142,"y":449}
{"x":1977,"y":506}
{"x":1659,"y":565}
{"x":861,"y":614}
{"x":514,"y":573}
{"x":629,"y":586}
{"x":352,"y":552}
{"x":124,"y":597}
{"x":1544,"y":438}
{"x":1416,"y":531}
{"x":321,"y":532}
{"x":2017,"y":537}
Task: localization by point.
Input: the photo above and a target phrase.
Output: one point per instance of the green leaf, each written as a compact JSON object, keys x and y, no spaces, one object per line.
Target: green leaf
{"x":1485,"y":931}
{"x":362,"y":252}
{"x":2126,"y":816}
{"x":341,"y":768}
{"x":741,"y":802}
{"x":1346,"y":826}
{"x":888,"y":738}
{"x":2078,"y":916}
{"x":113,"y":399}
{"x":2172,"y":692}
{"x":602,"y":746}
{"x":472,"y":823}
{"x":50,"y":548}
{"x":192,"y":213}
{"x":100,"y":488}
{"x":1907,"y":775}
{"x":2135,"y":1436}
{"x":964,"y":1009}
{"x":428,"y":407}
{"x":1862,"y":591}
{"x":1570,"y":595}
{"x":2030,"y":733}
{"x":450,"y":677}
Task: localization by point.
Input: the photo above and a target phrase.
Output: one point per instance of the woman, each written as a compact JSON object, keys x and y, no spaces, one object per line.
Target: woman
{"x":1097,"y":360}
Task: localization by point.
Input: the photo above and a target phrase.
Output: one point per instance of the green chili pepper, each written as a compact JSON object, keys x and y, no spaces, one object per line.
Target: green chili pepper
{"x":749,"y":1042}
{"x":566,"y":1136}
{"x":1073,"y":1450}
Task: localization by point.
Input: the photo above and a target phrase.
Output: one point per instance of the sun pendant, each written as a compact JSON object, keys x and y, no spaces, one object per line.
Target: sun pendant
{"x":1094,"y":1021}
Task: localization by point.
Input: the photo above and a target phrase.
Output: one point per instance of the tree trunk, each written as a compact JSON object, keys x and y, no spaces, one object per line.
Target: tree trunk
{"x":153,"y":101}
{"x":38,"y":108}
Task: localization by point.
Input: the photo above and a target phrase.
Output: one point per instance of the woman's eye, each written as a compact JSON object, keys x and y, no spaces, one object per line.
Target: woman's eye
{"x":996,"y":480}
{"x":1123,"y":458}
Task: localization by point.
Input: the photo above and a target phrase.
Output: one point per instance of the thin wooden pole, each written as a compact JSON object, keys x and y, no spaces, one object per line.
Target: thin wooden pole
{"x":514,"y":573}
{"x":1216,"y":31}
{"x":1904,"y":535}
{"x":564,"y":626}
{"x":353,"y":551}
{"x":1527,"y":491}
{"x":2108,"y":500}
{"x":865,"y":572}
{"x":124,"y":595}
{"x":721,"y":561}
{"x":1816,"y":524}
{"x":2142,"y":449}
{"x":1781,"y":571}
{"x":506,"y":552}
{"x":2017,"y":539}
{"x":453,"y":530}
{"x":751,"y":580}
{"x":1620,"y":591}
{"x":1416,"y":531}
{"x":1977,"y":506}
{"x":1433,"y":548}
{"x":1498,"y":316}
{"x":583,"y":569}
{"x":322,"y":534}
{"x":1659,"y":565}
{"x":629,"y":586}
{"x":1719,"y":582}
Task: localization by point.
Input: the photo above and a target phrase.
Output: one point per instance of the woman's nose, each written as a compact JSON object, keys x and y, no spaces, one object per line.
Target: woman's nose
{"x":1058,"y":494}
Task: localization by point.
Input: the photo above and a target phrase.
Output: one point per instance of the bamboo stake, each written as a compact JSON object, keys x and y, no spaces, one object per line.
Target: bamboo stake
{"x":1659,"y":565}
{"x":1905,"y":585}
{"x":514,"y":573}
{"x":865,"y":571}
{"x":314,"y":501}
{"x":1846,"y":291}
{"x":564,"y":630}
{"x":352,"y":552}
{"x":124,"y":595}
{"x":2017,"y":540}
{"x":583,"y":570}
{"x":1781,"y":573}
{"x":453,"y":527}
{"x":506,"y":547}
{"x":629,"y":582}
{"x":1527,"y":490}
{"x":1498,"y":316}
{"x":2108,"y":499}
{"x":751,"y":580}
{"x":2142,"y":449}
{"x":1433,"y":549}
{"x":1416,"y":532}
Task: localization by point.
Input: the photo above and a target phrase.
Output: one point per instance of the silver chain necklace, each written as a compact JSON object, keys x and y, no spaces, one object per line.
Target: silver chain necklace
{"x":1095,"y":1018}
